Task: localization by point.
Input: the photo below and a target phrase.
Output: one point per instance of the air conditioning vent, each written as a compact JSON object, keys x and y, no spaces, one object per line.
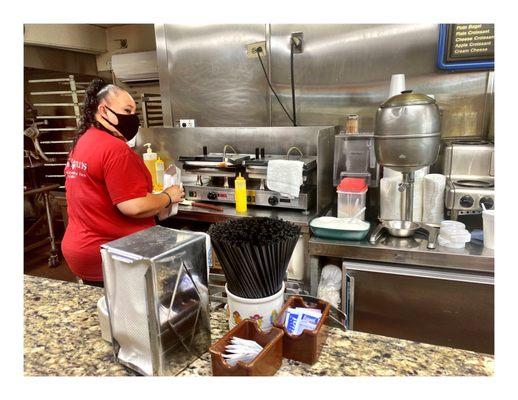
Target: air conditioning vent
{"x":136,"y":68}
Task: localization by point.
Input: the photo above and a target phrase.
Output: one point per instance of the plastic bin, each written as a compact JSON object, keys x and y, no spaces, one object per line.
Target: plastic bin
{"x":307,"y":346}
{"x":267,"y":362}
{"x":352,"y":194}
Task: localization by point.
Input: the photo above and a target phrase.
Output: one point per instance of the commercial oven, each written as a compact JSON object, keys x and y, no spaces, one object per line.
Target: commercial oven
{"x":438,"y":306}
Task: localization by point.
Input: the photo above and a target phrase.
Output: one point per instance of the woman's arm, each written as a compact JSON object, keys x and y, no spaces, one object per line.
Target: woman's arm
{"x":151,"y":204}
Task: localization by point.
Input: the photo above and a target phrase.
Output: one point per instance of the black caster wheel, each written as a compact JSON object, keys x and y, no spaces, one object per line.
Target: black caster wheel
{"x":53,"y":261}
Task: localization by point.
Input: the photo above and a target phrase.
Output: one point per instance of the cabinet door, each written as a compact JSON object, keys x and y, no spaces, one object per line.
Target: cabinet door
{"x":454,"y":310}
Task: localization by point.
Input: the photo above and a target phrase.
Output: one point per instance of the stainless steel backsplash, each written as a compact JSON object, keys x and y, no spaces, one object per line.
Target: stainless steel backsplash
{"x":205,"y":75}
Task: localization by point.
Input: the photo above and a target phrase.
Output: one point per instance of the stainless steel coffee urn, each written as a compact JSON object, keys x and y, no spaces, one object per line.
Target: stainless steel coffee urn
{"x":407,"y":137}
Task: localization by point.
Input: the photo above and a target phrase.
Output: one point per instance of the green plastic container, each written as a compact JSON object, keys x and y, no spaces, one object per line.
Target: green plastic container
{"x":339,"y":234}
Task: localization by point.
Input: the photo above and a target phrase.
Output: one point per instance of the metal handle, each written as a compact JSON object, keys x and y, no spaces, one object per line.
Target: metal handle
{"x":294,"y":148}
{"x":376,"y":233}
{"x":351,"y":302}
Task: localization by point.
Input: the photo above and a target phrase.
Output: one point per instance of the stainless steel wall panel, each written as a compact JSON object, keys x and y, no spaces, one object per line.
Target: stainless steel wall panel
{"x":346,"y":69}
{"x":209,"y":77}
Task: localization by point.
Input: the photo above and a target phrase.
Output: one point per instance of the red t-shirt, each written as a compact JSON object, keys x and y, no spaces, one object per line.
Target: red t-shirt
{"x":101,"y":172}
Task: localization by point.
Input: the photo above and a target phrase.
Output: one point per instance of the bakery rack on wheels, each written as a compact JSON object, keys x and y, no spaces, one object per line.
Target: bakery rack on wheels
{"x":53,"y":252}
{"x":58,"y":105}
{"x":54,"y":119}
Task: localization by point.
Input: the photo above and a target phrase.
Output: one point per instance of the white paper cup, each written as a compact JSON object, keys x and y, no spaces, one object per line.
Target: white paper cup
{"x":397,"y":84}
{"x":264,"y":310}
{"x":488,"y":219}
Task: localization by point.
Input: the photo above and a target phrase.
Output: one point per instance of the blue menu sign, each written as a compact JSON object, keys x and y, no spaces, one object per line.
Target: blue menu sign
{"x":466,"y":46}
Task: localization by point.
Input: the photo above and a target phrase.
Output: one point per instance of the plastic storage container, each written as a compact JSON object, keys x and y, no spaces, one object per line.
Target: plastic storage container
{"x":307,"y":346}
{"x":352,"y":193}
{"x":266,"y":363}
{"x":330,"y":228}
{"x":453,"y":235}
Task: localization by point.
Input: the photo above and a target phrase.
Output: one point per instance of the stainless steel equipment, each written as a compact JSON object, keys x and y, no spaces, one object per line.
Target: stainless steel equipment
{"x":156,"y":287}
{"x":315,"y":143}
{"x":469,"y":169}
{"x":407,"y":138}
{"x":405,"y":229}
{"x":408,"y":132}
{"x":438,"y":306}
{"x":219,"y":170}
{"x":355,"y":157}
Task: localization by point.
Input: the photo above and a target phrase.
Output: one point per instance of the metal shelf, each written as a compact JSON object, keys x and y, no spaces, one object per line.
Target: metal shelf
{"x":57,"y":139}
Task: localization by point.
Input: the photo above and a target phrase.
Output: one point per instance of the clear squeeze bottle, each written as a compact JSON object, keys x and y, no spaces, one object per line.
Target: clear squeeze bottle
{"x":150,"y":160}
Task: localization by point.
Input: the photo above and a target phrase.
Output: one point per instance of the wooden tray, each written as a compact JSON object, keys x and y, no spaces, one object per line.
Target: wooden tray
{"x":267,"y":362}
{"x":307,"y":346}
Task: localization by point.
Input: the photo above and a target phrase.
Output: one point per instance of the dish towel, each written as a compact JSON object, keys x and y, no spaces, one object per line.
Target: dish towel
{"x":285,"y":177}
{"x":172,"y":176}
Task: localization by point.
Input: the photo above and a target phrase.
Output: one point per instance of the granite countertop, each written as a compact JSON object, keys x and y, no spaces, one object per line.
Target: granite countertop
{"x":63,"y":337}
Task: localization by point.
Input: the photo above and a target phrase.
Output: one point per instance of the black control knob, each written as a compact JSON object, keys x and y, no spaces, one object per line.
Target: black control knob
{"x":488,"y":202}
{"x":467,"y":201}
{"x":272,"y":200}
{"x":212,"y":195}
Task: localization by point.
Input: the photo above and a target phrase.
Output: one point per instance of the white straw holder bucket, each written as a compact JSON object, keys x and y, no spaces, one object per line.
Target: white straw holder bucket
{"x":264,"y":310}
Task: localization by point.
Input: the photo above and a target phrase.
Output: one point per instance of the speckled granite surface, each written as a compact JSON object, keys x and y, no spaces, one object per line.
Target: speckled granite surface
{"x":62,"y":337}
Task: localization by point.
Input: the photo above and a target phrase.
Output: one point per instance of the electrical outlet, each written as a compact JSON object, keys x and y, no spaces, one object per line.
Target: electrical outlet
{"x":186,"y":123}
{"x":251,"y":49}
{"x":298,"y":39}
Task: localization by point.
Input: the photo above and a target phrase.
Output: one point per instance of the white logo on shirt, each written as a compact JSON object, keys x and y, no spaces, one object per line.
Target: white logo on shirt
{"x":74,"y":168}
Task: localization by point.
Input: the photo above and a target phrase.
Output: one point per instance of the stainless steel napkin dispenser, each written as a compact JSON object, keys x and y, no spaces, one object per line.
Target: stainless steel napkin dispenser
{"x":156,"y":287}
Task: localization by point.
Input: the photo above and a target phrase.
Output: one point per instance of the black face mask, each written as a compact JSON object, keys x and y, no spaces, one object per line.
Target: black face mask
{"x":128,"y":124}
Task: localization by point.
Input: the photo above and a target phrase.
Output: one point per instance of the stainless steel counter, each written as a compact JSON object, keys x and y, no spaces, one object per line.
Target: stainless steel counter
{"x":229,"y":212}
{"x":409,"y":251}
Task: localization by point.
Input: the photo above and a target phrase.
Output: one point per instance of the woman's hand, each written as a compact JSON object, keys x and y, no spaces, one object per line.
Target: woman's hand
{"x":150,"y":205}
{"x":176,"y":192}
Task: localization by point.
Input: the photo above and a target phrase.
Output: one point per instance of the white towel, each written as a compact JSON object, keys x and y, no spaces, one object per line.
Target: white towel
{"x":285,"y":177}
{"x":172,"y":176}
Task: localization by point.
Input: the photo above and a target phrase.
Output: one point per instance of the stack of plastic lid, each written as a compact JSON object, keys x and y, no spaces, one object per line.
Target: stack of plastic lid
{"x":453,"y":234}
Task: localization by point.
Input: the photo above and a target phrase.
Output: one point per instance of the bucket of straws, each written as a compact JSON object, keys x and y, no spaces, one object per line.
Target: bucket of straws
{"x":254,"y":254}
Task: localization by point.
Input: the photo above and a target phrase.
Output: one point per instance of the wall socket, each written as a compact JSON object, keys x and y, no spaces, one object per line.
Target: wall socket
{"x":299,"y":42}
{"x":251,"y":49}
{"x":186,"y":123}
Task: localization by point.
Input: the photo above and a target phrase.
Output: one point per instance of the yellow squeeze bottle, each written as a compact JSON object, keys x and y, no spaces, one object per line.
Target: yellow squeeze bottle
{"x":150,"y":160}
{"x":240,"y":194}
{"x":159,"y":167}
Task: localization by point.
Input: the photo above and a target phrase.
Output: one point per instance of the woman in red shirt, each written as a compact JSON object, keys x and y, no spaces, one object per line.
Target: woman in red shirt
{"x":109,"y":188}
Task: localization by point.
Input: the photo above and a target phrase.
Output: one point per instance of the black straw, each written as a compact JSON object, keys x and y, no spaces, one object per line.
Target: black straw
{"x":254,"y":253}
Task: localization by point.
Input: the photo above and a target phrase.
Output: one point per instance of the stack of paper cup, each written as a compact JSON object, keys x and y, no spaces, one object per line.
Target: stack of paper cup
{"x":433,"y":198}
{"x":417,"y":212}
{"x":488,"y":220}
{"x":397,"y":84}
{"x":390,"y":198}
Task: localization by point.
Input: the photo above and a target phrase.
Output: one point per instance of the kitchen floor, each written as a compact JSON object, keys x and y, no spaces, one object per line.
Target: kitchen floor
{"x":36,"y":264}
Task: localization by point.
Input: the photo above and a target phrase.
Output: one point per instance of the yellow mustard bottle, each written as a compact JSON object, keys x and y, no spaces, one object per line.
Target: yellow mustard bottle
{"x":159,"y":168}
{"x":150,"y":160}
{"x":240,"y":194}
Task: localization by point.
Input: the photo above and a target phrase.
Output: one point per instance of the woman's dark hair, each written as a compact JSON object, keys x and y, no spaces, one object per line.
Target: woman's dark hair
{"x":95,"y":92}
